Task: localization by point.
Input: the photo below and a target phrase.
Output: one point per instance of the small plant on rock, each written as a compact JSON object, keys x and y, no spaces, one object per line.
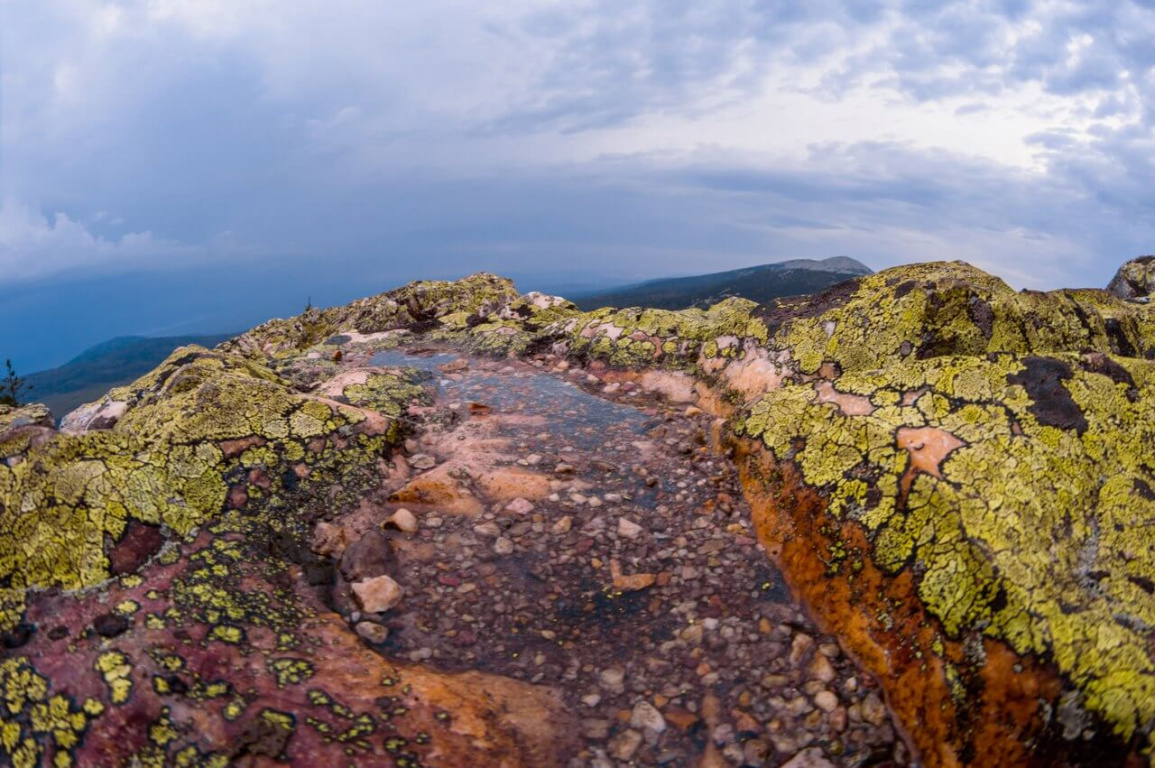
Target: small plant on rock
{"x":12,"y":387}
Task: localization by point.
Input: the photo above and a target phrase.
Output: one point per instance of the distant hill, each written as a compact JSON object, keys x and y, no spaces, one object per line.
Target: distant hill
{"x":109,"y":364}
{"x":762,"y":284}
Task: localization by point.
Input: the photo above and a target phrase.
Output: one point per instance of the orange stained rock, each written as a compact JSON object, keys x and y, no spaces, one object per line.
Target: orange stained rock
{"x":632,"y":582}
{"x":509,"y":483}
{"x":438,"y":489}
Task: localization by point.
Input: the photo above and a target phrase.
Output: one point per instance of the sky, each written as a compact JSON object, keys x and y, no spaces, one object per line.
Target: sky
{"x":181,"y":166}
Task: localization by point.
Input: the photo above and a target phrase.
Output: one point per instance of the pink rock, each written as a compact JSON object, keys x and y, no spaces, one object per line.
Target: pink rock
{"x":378,"y":594}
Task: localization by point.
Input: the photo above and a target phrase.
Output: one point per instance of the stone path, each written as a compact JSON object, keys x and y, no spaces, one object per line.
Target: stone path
{"x":599,"y":545}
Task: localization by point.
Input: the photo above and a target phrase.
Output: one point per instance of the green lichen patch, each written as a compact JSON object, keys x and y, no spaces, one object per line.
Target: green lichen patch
{"x":950,"y":309}
{"x":202,"y":433}
{"x":1029,"y":525}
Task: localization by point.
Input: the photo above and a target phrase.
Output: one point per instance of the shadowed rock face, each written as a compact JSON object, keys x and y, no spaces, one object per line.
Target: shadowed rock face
{"x":957,"y":478}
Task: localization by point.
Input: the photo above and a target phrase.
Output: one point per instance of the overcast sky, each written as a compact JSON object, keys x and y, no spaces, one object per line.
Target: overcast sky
{"x":197,"y":165}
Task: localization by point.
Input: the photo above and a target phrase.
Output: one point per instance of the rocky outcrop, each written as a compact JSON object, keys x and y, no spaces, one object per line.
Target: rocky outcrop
{"x":1135,"y":279}
{"x":154,"y":601}
{"x":956,"y":477}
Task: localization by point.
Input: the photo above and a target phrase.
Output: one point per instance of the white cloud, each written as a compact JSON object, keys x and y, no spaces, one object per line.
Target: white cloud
{"x":34,"y":245}
{"x":304,"y":125}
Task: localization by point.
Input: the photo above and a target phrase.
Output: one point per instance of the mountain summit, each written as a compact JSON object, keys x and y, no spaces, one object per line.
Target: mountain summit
{"x":762,"y":284}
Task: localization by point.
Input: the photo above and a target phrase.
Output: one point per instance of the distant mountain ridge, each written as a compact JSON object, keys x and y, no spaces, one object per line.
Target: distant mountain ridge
{"x":109,"y":364}
{"x":761,"y":283}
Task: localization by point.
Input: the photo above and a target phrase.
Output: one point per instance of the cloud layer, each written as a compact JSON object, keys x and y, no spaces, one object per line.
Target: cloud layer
{"x":389,"y":140}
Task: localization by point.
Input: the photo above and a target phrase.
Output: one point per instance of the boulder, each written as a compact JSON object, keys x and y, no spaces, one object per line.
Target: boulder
{"x":1135,"y":279}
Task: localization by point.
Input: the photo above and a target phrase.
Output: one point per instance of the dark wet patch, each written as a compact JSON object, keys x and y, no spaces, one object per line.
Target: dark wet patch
{"x":338,"y":340}
{"x":1053,"y":405}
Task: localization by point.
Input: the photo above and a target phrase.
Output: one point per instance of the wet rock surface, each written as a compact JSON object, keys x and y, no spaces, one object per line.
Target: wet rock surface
{"x":635,"y":586}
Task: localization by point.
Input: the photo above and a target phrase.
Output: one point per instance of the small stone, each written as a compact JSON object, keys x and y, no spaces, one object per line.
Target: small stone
{"x":422,"y":461}
{"x":625,"y":745}
{"x":487,"y":529}
{"x":826,"y":701}
{"x":873,"y":710}
{"x":373,"y":632}
{"x":329,"y":540}
{"x":628,"y":528}
{"x":520,"y":506}
{"x":595,"y":728}
{"x":434,"y":522}
{"x":563,"y":469}
{"x":630,"y":582}
{"x":755,"y":752}
{"x":821,"y":669}
{"x":369,"y":555}
{"x":646,"y":717}
{"x":503,"y":546}
{"x":377,"y":595}
{"x":403,"y":520}
{"x":563,"y":526}
{"x":682,"y":719}
{"x":799,"y":646}
{"x":612,"y":679}
{"x":592,"y":699}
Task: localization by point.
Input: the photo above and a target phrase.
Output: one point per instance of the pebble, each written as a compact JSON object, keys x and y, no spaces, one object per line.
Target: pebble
{"x":378,"y":594}
{"x":628,"y":528}
{"x":826,"y":701}
{"x":646,"y":717}
{"x":422,"y":461}
{"x":821,"y":669}
{"x":503,"y":546}
{"x":373,"y":632}
{"x":403,"y":520}
{"x":873,"y":710}
{"x":520,"y":506}
{"x":487,"y":529}
{"x":612,"y":679}
{"x":595,"y":728}
{"x":625,"y":745}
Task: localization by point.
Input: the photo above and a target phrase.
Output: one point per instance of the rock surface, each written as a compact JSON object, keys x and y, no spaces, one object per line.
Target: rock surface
{"x":954,"y":478}
{"x":1135,"y":279}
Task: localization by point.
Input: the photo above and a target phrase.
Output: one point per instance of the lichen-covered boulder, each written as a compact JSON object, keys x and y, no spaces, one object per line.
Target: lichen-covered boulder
{"x":1135,"y":279}
{"x":482,"y":311}
{"x":159,"y":605}
{"x":22,"y":428}
{"x":957,"y":478}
